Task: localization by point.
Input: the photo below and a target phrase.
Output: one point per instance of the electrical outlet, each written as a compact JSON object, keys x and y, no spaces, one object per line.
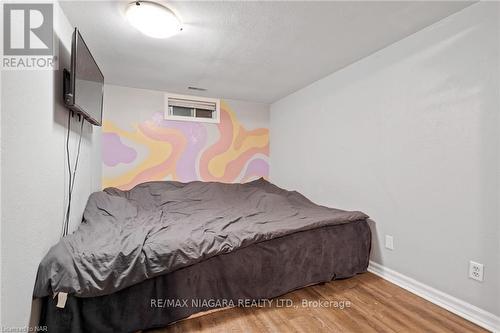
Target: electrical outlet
{"x":476,"y":271}
{"x":389,"y":242}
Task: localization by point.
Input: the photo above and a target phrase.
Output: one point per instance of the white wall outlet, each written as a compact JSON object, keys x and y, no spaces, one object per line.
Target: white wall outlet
{"x":476,"y":271}
{"x":389,"y":242}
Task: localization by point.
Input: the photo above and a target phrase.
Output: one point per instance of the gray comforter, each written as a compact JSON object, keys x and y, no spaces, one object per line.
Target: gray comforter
{"x":155,"y":228}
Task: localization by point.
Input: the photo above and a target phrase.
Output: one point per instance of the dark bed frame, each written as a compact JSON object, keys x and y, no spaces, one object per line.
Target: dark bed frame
{"x":260,"y":271}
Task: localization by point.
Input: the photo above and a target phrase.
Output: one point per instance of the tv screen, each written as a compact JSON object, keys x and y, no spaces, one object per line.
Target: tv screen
{"x":86,"y":82}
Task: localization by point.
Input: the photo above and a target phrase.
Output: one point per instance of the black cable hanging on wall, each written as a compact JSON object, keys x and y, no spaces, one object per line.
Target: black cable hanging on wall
{"x":72,"y":175}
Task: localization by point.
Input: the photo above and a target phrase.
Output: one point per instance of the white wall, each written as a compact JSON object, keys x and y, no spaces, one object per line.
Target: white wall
{"x":411,"y":136}
{"x":34,"y":175}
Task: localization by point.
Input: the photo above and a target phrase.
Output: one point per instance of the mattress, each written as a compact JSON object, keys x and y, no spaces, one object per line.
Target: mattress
{"x":127,"y":237}
{"x":259,"y":271}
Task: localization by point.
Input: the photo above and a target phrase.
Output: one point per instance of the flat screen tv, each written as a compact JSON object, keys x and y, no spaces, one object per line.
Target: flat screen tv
{"x":84,"y":83}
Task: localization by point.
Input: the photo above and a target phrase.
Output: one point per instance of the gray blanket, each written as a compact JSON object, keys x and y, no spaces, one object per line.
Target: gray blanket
{"x":155,"y":228}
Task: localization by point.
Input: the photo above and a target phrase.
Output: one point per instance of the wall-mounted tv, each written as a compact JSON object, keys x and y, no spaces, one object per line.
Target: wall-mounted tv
{"x":84,"y":83}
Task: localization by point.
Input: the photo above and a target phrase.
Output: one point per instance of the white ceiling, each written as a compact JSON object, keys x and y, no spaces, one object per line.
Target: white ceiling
{"x":255,"y":51}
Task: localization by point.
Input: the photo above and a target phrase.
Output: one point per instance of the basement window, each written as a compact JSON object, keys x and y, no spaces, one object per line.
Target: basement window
{"x":192,"y":108}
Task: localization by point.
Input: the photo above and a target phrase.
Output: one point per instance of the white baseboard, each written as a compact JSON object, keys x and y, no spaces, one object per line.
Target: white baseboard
{"x":463,"y":309}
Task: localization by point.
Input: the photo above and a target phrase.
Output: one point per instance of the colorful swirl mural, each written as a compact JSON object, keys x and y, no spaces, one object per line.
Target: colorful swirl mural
{"x":159,"y":149}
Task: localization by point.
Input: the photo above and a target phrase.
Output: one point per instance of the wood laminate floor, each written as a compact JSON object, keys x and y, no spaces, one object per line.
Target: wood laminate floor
{"x":375,"y":306}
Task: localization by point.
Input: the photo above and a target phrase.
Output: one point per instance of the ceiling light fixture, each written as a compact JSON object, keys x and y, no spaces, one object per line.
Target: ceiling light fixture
{"x":153,"y":19}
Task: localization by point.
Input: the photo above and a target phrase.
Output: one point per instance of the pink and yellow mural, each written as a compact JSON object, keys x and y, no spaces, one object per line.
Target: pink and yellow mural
{"x":159,"y":149}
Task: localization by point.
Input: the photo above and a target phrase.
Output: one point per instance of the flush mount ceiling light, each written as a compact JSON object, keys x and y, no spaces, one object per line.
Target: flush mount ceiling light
{"x":153,"y":19}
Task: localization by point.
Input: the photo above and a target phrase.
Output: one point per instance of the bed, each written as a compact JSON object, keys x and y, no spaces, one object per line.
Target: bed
{"x":163,"y":251}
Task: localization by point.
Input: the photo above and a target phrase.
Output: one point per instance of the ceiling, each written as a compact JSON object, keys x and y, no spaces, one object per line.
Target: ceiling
{"x":254,"y":51}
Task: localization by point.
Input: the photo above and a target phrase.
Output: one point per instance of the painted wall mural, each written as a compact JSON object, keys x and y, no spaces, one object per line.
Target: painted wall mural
{"x":159,"y":149}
